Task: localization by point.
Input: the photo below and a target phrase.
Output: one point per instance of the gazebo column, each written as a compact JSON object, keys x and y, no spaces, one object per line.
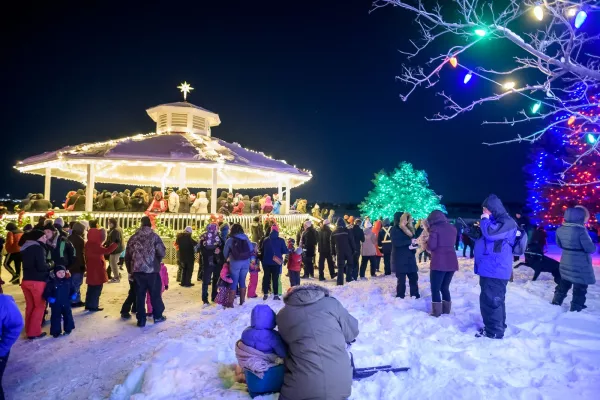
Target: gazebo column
{"x":280,"y":191}
{"x":89,"y":190}
{"x":182,"y":177}
{"x":47,"y":182}
{"x":213,"y":192}
{"x":230,"y":188}
{"x":288,"y":197}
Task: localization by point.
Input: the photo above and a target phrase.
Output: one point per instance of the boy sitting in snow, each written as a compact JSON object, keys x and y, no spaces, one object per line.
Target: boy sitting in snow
{"x":260,"y":353}
{"x":59,"y":292}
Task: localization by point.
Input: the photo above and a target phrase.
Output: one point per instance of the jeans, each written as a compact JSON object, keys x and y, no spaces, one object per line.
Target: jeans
{"x":113,"y":262}
{"x":330,"y":265}
{"x":579,"y":292}
{"x":148,"y":283}
{"x":239,"y":270}
{"x":413,"y":278}
{"x":309,"y":265}
{"x":186,"y":273}
{"x":363,"y":265}
{"x":387,"y":268}
{"x":130,"y":303}
{"x":270,"y":275}
{"x":3,"y":361}
{"x":61,"y":312}
{"x":210,"y":276}
{"x":492,"y":305}
{"x":77,"y":280}
{"x":35,"y":306}
{"x":92,"y":297}
{"x":295,"y":278}
{"x":440,"y":282}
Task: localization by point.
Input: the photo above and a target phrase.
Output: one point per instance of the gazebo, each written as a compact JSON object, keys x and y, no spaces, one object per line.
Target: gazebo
{"x":181,"y":153}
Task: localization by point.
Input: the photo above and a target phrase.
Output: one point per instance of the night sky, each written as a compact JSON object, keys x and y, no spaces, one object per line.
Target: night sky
{"x":311,"y":82}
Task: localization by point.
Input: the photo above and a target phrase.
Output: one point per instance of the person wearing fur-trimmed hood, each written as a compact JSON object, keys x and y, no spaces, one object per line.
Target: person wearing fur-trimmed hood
{"x":403,"y":255}
{"x":316,"y":328}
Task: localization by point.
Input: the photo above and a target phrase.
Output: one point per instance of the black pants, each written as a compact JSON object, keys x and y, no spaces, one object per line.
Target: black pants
{"x":92,"y":296}
{"x":17,"y":260}
{"x":363,"y":265}
{"x":270,"y":275}
{"x":330,"y":265}
{"x":492,"y":305}
{"x":344,"y":266}
{"x":355,"y":265}
{"x":148,"y":283}
{"x":413,"y":278}
{"x":61,"y":311}
{"x":130,"y":303}
{"x":457,"y":244}
{"x":3,"y":361}
{"x":579,"y":292}
{"x":294,"y":278}
{"x":387,"y":267}
{"x":424,"y":254}
{"x":200,"y":267}
{"x":471,"y":250}
{"x":187,"y":269}
{"x":440,"y":282}
{"x":209,"y":275}
{"x":309,"y":265}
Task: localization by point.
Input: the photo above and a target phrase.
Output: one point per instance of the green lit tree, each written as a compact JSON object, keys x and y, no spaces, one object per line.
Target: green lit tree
{"x":404,"y":189}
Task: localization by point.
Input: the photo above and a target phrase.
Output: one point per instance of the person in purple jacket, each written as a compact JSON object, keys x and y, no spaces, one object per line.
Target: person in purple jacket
{"x":261,"y":334}
{"x":493,"y":264}
{"x":11,"y":325}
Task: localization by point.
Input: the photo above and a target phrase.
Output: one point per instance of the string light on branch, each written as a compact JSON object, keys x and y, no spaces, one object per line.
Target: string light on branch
{"x":580,"y":19}
{"x":536,"y":107}
{"x":571,"y":12}
{"x":591,"y":138}
{"x":538,"y":12}
{"x":480,"y":32}
{"x":468,"y":77}
{"x":509,"y":85}
{"x":571,"y":120}
{"x":453,"y":61}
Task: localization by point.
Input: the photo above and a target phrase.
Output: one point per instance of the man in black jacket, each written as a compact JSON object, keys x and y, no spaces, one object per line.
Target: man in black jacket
{"x":325,"y":251}
{"x":359,"y":237}
{"x":342,"y":247}
{"x":309,"y":244}
{"x":77,"y":268}
{"x":186,"y":246}
{"x":384,"y":242}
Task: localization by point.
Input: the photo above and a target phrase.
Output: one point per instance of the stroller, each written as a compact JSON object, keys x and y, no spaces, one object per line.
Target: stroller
{"x":536,"y":260}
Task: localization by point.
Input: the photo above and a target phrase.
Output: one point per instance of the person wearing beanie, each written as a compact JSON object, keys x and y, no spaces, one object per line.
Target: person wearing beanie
{"x":59,"y":293}
{"x":324,"y":239}
{"x":368,"y":251}
{"x":384,"y":242}
{"x":294,"y":266}
{"x":77,"y":268}
{"x":342,"y":247}
{"x":186,"y":246}
{"x":115,"y":235}
{"x":309,"y":244}
{"x":59,"y":224}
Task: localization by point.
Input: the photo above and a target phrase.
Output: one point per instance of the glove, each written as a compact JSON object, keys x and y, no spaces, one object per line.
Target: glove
{"x":51,"y":300}
{"x":518,"y":233}
{"x":167,"y":287}
{"x":74,"y":296}
{"x":485,"y":216}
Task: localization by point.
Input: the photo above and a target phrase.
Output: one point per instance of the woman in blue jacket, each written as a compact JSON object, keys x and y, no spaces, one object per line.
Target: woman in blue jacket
{"x":493,"y":264}
{"x":11,"y":325}
{"x":238,"y":249}
{"x":272,"y":250}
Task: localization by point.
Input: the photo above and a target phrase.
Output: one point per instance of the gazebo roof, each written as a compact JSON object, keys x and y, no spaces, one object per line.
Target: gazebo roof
{"x":171,"y":159}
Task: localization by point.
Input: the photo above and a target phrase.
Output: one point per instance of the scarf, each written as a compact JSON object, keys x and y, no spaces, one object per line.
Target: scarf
{"x":254,"y":360}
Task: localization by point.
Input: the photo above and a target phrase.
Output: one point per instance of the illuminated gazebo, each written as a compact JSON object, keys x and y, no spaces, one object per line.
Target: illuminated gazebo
{"x":181,"y":153}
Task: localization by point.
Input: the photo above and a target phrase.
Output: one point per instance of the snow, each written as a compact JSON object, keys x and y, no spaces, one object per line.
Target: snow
{"x":548,"y":352}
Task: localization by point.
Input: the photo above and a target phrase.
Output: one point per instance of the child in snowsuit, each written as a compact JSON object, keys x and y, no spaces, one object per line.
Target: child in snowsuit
{"x":260,"y":353}
{"x":294,"y":266}
{"x":254,"y":270}
{"x":58,"y":293}
{"x":164,"y":279}
{"x":224,"y":282}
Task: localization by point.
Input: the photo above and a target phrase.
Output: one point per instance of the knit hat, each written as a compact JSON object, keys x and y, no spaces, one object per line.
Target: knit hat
{"x":275,"y":228}
{"x":357,"y":221}
{"x":60,"y":222}
{"x":341,"y":223}
{"x":34,"y":235}
{"x":368,"y":224}
{"x":49,"y":227}
{"x":85,"y":224}
{"x":188,"y":229}
{"x":59,"y":268}
{"x":307,"y":224}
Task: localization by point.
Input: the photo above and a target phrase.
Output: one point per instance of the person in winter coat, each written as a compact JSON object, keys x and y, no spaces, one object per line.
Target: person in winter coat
{"x":36,"y":272}
{"x":107,"y":203}
{"x":325,"y":252}
{"x":359,"y":238}
{"x":309,"y":244}
{"x":342,"y":247}
{"x":272,"y":251}
{"x":59,"y":293}
{"x":96,"y":275}
{"x":200,"y":205}
{"x":255,"y":205}
{"x":225,"y":281}
{"x":422,"y":239}
{"x":368,"y":251}
{"x":173,"y":201}
{"x":159,"y":204}
{"x":384,"y":242}
{"x":267,"y":206}
{"x":276,"y":205}
{"x":238,"y":209}
{"x":77,"y":267}
{"x":316,"y":329}
{"x":138,"y":201}
{"x":493,"y":264}
{"x":238,"y":250}
{"x":144,"y":253}
{"x":576,"y":261}
{"x":186,"y":246}
{"x":11,"y":325}
{"x":13,"y":236}
{"x":377,"y":225}
{"x":254,"y":270}
{"x":210,"y":247}
{"x":223,"y":209}
{"x":261,"y":334}
{"x":70,"y":200}
{"x":403,"y":255}
{"x":164,"y":285}
{"x":444,"y":262}
{"x":184,"y":201}
{"x":257,"y":230}
{"x":40,"y":204}
{"x":80,"y":201}
{"x":295,"y":265}
{"x":118,"y":202}
{"x":115,"y":235}
{"x":468,"y":242}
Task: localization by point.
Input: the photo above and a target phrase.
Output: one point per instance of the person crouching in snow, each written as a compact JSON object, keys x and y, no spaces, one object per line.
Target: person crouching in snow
{"x":224,"y":281}
{"x":576,"y":261}
{"x":260,"y":352}
{"x":294,"y":266}
{"x":59,"y":292}
{"x":164,"y":285}
{"x":254,"y":270}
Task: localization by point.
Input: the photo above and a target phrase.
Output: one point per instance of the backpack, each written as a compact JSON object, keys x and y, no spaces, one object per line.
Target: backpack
{"x":240,"y":250}
{"x":520,"y":244}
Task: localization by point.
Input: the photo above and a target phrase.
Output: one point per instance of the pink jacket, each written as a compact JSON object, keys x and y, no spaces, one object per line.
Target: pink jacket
{"x":164,"y":275}
{"x":225,"y":273}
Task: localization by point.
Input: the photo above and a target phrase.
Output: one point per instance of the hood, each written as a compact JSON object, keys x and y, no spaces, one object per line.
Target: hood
{"x":95,"y":236}
{"x":12,"y":227}
{"x":263,"y":317}
{"x":494,"y":204}
{"x":212,"y":228}
{"x":79,"y":228}
{"x":158,"y":196}
{"x":436,"y":217}
{"x":386,"y":222}
{"x":274,"y":234}
{"x":202,"y":195}
{"x":80,"y":192}
{"x":304,"y":295}
{"x":268,"y":201}
{"x":340,"y":223}
{"x":586,"y":211}
{"x":575,"y":215}
{"x":397,"y":218}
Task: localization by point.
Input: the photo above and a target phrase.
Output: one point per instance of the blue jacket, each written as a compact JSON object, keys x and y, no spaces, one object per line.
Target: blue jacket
{"x":11,"y":323}
{"x":493,"y":251}
{"x":236,"y":265}
{"x":273,"y":246}
{"x":576,"y":243}
{"x":261,"y":335}
{"x":277,"y":207}
{"x":61,"y":290}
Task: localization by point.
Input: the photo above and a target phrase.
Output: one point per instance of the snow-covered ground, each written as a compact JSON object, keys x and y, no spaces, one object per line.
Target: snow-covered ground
{"x":548,"y":352}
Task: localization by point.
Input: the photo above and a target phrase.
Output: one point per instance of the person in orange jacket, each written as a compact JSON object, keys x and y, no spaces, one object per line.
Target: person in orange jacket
{"x":376,"y":228}
{"x":13,"y":250}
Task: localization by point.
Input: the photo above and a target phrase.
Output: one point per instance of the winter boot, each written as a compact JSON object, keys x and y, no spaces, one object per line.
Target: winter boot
{"x":230,"y":299}
{"x":558,"y":298}
{"x":446,"y":307}
{"x":242,"y":296}
{"x":436,"y":309}
{"x":11,"y":270}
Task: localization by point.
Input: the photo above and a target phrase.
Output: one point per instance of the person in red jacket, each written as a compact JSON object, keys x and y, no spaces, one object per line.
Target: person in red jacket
{"x":13,"y":250}
{"x":294,"y":266}
{"x":96,"y":267}
{"x":157,"y":206}
{"x":238,"y":209}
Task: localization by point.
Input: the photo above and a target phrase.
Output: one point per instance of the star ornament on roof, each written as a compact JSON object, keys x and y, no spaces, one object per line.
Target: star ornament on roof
{"x":185,"y":89}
